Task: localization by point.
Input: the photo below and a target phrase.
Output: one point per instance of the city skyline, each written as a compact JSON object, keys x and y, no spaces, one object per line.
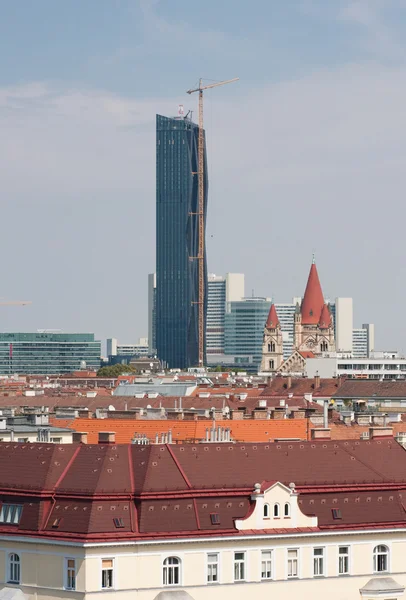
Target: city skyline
{"x":304,"y":153}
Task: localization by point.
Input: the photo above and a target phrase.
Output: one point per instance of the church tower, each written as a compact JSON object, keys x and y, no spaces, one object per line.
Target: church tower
{"x":272,"y":347}
{"x":313,"y":325}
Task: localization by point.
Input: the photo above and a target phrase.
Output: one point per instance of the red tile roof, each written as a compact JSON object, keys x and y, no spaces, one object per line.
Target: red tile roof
{"x":76,"y":491}
{"x":325,"y":318}
{"x":313,"y":299}
{"x":273,"y":320}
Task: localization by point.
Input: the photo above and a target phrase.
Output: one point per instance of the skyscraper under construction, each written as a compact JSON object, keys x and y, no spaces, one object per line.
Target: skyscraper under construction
{"x":177,"y":248}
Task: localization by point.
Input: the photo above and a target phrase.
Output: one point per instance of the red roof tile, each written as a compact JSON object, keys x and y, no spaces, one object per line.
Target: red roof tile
{"x":313,"y":299}
{"x":273,"y":320}
{"x":325,"y":318}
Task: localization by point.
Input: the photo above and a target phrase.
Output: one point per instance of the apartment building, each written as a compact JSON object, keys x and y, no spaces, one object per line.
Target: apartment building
{"x":283,"y":520}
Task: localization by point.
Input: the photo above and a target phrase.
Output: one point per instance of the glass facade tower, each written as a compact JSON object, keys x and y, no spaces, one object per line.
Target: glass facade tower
{"x":48,"y":353}
{"x":177,"y":333}
{"x":244,"y":329}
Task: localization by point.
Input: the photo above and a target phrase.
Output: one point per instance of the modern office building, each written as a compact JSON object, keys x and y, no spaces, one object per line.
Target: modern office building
{"x":286,"y":315}
{"x":378,"y":365}
{"x":152,"y":313}
{"x":45,"y":353}
{"x":363,"y":341}
{"x":244,"y":330}
{"x":177,"y":272}
{"x":221,"y":290}
{"x":141,"y":348}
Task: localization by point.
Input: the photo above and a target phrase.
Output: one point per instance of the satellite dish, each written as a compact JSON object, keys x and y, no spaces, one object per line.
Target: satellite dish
{"x":111,"y":407}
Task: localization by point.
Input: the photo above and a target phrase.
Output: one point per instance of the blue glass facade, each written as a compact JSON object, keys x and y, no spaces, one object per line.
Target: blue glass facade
{"x":177,"y":241}
{"x":48,"y":353}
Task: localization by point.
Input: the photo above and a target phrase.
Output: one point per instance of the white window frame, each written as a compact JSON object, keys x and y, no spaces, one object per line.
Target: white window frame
{"x":208,"y":569}
{"x":276,"y":510}
{"x":348,"y":555}
{"x":270,"y":560}
{"x":267,"y":509}
{"x":166,"y":568}
{"x":113,"y":575}
{"x":321,"y":559}
{"x":375,"y":557}
{"x":66,"y":574}
{"x":240,"y":562}
{"x":9,"y":564}
{"x":286,"y":516}
{"x":297,"y":550}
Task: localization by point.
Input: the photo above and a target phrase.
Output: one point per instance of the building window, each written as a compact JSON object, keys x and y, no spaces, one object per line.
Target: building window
{"x":343,"y":560}
{"x":318,"y":562}
{"x":276,"y":512}
{"x":171,"y":571}
{"x":266,"y":511}
{"x":10,"y":513}
{"x":239,"y":566}
{"x":293,"y":559}
{"x":212,"y":568}
{"x":381,"y":559}
{"x":70,"y":575}
{"x":271,"y":364}
{"x":286,"y":510}
{"x":14,"y":571}
{"x":266,"y":564}
{"x":107,"y":573}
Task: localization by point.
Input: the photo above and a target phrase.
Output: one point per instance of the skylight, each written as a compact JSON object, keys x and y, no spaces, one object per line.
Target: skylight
{"x":11,"y":513}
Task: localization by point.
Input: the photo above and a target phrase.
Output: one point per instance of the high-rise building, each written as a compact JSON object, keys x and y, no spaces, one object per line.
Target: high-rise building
{"x":220,"y":291}
{"x":244,"y":330}
{"x":177,"y":241}
{"x":363,"y":341}
{"x":152,"y":313}
{"x":343,"y":324}
{"x":46,"y":353}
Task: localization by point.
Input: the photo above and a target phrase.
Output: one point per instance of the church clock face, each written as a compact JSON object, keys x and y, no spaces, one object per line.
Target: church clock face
{"x":310,"y":343}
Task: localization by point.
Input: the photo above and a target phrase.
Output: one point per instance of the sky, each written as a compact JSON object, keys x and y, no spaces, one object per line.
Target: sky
{"x":306,"y":153}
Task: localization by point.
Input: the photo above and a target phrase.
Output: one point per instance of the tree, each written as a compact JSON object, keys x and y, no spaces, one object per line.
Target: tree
{"x":115,"y":370}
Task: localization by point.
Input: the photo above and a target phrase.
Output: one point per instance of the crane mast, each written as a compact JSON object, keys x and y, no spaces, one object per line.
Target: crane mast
{"x":200,"y":214}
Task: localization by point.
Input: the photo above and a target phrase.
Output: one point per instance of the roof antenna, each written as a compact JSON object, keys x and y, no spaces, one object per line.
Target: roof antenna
{"x":314,"y":258}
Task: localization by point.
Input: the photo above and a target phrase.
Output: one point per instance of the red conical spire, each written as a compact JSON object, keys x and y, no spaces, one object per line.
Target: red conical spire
{"x":313,"y":300}
{"x":273,"y":320}
{"x":325,"y":318}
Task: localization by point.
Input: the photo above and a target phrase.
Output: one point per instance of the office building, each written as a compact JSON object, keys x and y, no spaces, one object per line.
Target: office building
{"x":152,"y":313}
{"x":378,"y":365}
{"x":244,"y":330}
{"x":309,"y":520}
{"x":221,"y":290}
{"x":343,"y":324}
{"x":363,"y":341}
{"x":45,"y":353}
{"x":141,"y":348}
{"x":177,"y":237}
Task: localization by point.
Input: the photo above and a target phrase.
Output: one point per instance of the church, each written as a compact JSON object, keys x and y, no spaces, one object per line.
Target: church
{"x":313,"y":331}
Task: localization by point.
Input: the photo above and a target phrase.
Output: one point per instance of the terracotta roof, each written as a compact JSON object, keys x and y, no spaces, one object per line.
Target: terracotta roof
{"x":184,"y":431}
{"x":307,"y":353}
{"x":78,"y":491}
{"x":325,"y":318}
{"x":298,"y":386}
{"x":369,"y":388}
{"x":313,"y":299}
{"x":273,"y":320}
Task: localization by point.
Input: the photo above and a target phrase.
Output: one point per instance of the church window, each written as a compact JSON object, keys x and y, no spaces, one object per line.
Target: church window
{"x":271,"y":364}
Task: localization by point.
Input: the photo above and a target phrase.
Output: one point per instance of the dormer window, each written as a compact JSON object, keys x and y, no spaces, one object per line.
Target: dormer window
{"x":266,"y":511}
{"x":276,"y":511}
{"x":11,"y":513}
{"x":286,"y":510}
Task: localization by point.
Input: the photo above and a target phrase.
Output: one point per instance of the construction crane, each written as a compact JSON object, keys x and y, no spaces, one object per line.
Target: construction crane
{"x":16,"y":303}
{"x":200,"y":211}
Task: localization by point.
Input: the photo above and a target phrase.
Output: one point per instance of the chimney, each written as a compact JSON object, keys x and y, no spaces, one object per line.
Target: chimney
{"x":322,"y":433}
{"x":380,"y":432}
{"x":79,"y":436}
{"x":289,"y":382}
{"x":107,"y":437}
{"x":325,"y":414}
{"x":317,"y":382}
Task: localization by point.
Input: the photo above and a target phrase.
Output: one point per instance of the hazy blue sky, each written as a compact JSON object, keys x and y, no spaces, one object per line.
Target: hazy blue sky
{"x":307,"y":153}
